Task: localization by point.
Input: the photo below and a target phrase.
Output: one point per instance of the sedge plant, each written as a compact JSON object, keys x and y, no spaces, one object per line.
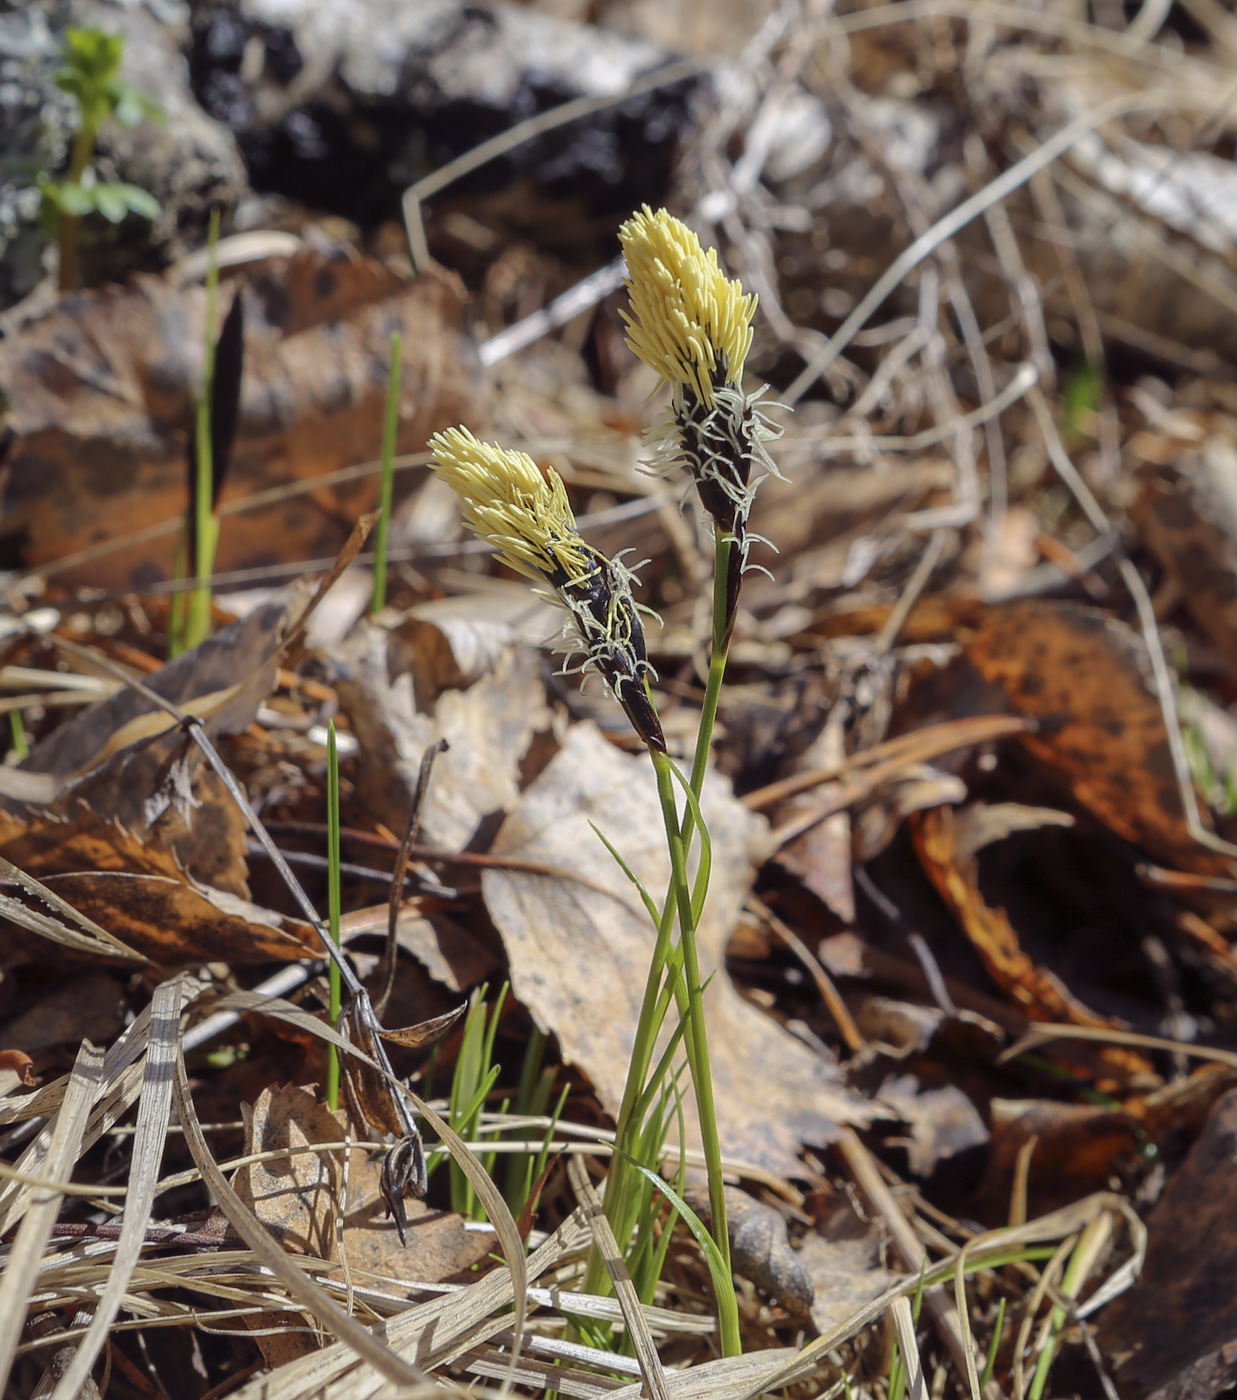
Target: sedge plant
{"x":692,"y":325}
{"x":216,"y":414}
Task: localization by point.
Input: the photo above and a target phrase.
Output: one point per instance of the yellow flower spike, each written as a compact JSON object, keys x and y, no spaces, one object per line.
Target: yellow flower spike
{"x":527,"y":518}
{"x":525,"y":515}
{"x":690,"y":322}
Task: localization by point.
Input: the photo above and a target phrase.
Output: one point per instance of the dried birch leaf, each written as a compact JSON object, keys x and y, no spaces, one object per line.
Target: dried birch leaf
{"x":579,"y":949}
{"x":487,"y":727}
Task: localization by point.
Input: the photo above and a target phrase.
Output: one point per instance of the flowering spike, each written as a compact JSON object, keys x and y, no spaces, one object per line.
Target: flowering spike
{"x":689,"y":322}
{"x":694,"y":327}
{"x":526,"y":516}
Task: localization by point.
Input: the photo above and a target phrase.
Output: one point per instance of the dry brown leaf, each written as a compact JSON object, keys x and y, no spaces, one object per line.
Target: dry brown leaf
{"x":176,"y":923}
{"x":102,"y":390}
{"x":1077,"y":1148}
{"x":91,"y":1007}
{"x":1083,"y":676}
{"x":439,"y":1248}
{"x":118,"y":755}
{"x":296,"y":1197}
{"x":821,"y":857}
{"x":843,"y":1258}
{"x":579,"y":950}
{"x":943,"y":1121}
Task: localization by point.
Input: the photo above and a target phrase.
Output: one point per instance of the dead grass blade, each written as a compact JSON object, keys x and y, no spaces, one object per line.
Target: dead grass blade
{"x":63,"y":1149}
{"x":148,"y":1141}
{"x":624,"y":1290}
{"x":435,"y":1333}
{"x":904,"y":1326}
{"x":122,"y":1078}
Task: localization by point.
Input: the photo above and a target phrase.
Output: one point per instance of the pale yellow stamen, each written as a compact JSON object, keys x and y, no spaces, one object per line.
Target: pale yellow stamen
{"x":689,"y":320}
{"x":507,"y":500}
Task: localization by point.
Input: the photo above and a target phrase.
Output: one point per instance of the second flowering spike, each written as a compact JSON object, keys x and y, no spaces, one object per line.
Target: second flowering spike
{"x":508,"y":502}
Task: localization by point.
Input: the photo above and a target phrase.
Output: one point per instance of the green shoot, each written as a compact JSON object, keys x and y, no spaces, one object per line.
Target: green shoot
{"x":333,"y":908}
{"x":1091,"y":1244}
{"x":17,"y":727}
{"x":531,"y":1100}
{"x":197,"y":622}
{"x":993,"y":1347}
{"x":89,"y":75}
{"x":474,"y":1077}
{"x":1081,"y":396}
{"x":390,"y":428}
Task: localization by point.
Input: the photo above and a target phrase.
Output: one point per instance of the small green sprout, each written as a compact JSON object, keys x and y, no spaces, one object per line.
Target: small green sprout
{"x":89,"y":75}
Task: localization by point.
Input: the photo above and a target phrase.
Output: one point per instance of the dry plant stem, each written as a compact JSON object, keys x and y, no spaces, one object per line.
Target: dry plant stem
{"x":906,"y":1242}
{"x":333,"y":908}
{"x":390,"y":427}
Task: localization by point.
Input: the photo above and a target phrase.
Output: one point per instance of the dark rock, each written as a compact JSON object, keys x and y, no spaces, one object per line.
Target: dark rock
{"x":343,"y":106}
{"x":1174,"y":1334}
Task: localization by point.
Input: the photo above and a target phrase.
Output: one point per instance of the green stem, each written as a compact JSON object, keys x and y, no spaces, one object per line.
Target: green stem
{"x":670,"y":961}
{"x":70,"y":224}
{"x":17,"y":728}
{"x":333,"y":907}
{"x":698,"y":1057}
{"x":390,"y":428}
{"x":197,"y":625}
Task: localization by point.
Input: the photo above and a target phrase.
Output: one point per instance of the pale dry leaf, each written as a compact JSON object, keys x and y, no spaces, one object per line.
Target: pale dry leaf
{"x":943,"y":1121}
{"x":846,"y":1274}
{"x":295,"y":1197}
{"x":488,"y":727}
{"x":579,"y":948}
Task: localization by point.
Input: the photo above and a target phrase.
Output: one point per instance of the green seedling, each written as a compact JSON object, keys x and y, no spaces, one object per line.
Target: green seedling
{"x":216,"y":415}
{"x":90,"y":75}
{"x":993,"y":1347}
{"x":17,"y":728}
{"x":1081,"y":397}
{"x":474,"y":1077}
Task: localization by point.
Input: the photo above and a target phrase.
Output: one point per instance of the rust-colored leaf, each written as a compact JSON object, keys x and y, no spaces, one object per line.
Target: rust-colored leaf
{"x":1084,"y":677}
{"x":140,"y":893}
